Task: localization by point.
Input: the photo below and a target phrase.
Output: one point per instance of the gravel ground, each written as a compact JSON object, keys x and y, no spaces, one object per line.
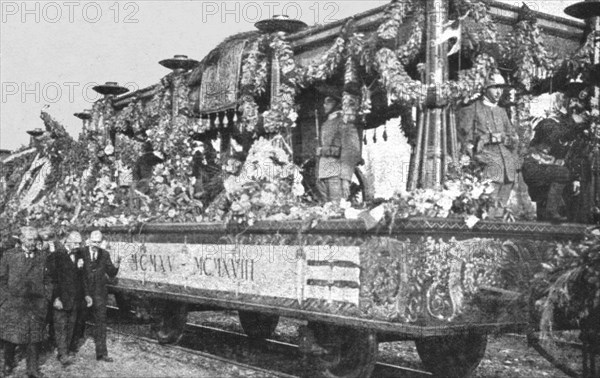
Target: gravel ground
{"x":137,"y":358}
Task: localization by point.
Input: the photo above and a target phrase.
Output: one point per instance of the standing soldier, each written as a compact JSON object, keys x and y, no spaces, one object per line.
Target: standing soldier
{"x":98,"y":267}
{"x":490,"y":139}
{"x":339,"y":153}
{"x":25,"y":291}
{"x":70,"y":290}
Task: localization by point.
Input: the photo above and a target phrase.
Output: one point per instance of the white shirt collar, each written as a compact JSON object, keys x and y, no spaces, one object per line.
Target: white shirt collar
{"x":334,"y":115}
{"x":487,"y":102}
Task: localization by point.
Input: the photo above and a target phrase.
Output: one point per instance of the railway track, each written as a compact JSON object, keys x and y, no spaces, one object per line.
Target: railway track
{"x":274,"y":357}
{"x":206,"y":355}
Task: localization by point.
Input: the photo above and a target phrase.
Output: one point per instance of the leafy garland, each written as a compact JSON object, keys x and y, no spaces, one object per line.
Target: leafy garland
{"x":525,"y":52}
{"x":322,"y":68}
{"x":253,"y":83}
{"x":409,"y":51}
{"x":282,"y":114}
{"x":570,"y":284}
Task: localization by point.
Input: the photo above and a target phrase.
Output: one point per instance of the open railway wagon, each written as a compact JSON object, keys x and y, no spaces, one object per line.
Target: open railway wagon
{"x":442,"y":282}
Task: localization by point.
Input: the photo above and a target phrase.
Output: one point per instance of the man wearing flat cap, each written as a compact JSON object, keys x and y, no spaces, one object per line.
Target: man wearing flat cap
{"x":25,"y":292}
{"x":339,"y":152}
{"x":98,"y":268}
{"x":490,"y":139}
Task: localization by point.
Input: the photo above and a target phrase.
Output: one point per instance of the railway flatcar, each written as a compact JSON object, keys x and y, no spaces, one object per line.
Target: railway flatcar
{"x":445,"y":283}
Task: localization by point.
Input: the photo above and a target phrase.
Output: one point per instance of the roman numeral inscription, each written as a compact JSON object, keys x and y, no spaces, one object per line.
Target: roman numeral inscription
{"x":242,"y":269}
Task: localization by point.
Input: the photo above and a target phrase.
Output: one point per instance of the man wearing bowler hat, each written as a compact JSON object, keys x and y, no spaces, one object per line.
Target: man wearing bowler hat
{"x":490,"y":139}
{"x":339,"y":152}
{"x":98,"y":267}
{"x":25,"y":292}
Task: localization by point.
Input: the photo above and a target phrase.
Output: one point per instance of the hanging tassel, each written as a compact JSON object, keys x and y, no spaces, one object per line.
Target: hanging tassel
{"x":385,"y":133}
{"x":235,"y":119}
{"x":225,"y":120}
{"x":365,"y":139}
{"x":374,"y":137}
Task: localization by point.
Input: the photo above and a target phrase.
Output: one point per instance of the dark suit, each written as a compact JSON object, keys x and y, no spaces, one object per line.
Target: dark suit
{"x":71,"y":288}
{"x":97,"y":273}
{"x":25,"y":291}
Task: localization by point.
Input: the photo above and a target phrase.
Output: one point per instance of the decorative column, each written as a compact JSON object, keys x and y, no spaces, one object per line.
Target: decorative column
{"x":279,"y":26}
{"x":178,"y":64}
{"x":86,"y":117}
{"x":436,"y":140}
{"x":109,"y":90}
{"x":34,"y":134}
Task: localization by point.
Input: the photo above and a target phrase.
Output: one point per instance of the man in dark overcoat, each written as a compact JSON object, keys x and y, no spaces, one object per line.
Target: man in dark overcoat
{"x":70,"y":292}
{"x":339,"y":153}
{"x":25,"y":292}
{"x":98,"y":268}
{"x":488,"y":136}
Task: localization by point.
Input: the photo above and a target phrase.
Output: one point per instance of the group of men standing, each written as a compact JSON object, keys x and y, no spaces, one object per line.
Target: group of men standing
{"x":44,"y":282}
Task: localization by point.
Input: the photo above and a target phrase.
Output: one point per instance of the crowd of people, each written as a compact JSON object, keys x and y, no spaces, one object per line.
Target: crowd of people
{"x":49,"y":288}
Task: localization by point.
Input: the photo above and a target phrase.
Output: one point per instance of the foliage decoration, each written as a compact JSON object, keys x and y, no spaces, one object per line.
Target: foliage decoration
{"x":267,"y":186}
{"x":570,"y":283}
{"x":524,"y":51}
{"x":480,"y":29}
{"x":282,"y":114}
{"x":253,"y":83}
{"x":462,"y":195}
{"x":394,"y":16}
{"x":322,"y":68}
{"x":400,"y":87}
{"x":411,"y":48}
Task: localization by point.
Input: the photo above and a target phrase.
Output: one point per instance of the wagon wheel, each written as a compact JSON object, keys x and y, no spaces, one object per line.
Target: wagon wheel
{"x":351,"y":353}
{"x":452,"y":356}
{"x":172,"y":322}
{"x":257,"y":325}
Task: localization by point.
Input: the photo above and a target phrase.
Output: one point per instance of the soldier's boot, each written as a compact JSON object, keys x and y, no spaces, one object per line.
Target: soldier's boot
{"x":554,"y":201}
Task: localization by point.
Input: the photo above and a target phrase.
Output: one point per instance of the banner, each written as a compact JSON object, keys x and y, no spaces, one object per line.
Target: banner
{"x":218,"y":90}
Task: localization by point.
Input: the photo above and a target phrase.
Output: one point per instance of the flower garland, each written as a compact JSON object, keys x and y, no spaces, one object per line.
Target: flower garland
{"x":471,"y":82}
{"x":411,"y":48}
{"x":394,"y":15}
{"x":399,"y":86}
{"x":282,"y":114}
{"x":253,"y":83}
{"x":322,"y":68}
{"x":480,"y":28}
{"x":525,"y":51}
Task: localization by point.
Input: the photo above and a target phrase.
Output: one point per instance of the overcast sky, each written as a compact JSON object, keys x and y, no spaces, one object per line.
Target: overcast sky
{"x":54,"y":52}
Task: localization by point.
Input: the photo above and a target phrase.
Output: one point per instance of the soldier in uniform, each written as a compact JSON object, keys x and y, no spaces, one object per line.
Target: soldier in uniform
{"x":545,"y":169}
{"x":25,"y":291}
{"x":339,"y":153}
{"x":98,"y":267}
{"x":490,"y":139}
{"x":70,"y":291}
